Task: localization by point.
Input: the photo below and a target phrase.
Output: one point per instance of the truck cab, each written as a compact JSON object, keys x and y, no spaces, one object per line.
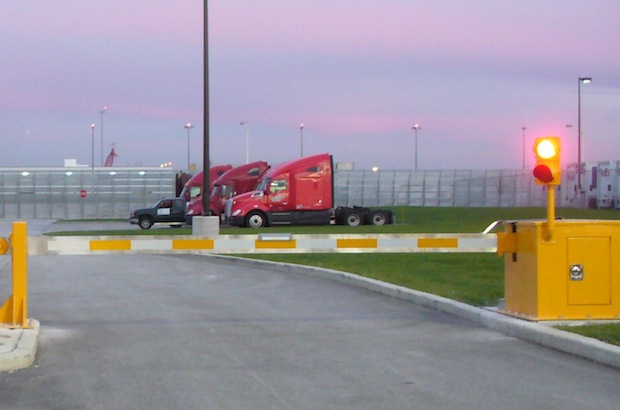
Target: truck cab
{"x":194,"y":188}
{"x":298,"y":192}
{"x":233,"y":182}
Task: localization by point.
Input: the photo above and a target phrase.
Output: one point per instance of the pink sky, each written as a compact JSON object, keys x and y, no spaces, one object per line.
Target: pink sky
{"x":358,"y":74}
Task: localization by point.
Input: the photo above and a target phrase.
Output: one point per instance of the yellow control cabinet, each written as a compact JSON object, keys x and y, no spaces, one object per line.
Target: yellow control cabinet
{"x":570,"y":272}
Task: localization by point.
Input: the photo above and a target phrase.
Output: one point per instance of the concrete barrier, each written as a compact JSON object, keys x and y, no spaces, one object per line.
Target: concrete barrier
{"x":207,"y":226}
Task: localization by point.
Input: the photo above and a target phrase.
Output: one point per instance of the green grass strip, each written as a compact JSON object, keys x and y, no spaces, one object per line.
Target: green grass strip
{"x":608,"y":333}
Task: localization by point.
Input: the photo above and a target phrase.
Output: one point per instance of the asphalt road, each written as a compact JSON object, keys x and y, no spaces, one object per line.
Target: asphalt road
{"x":195,"y":332}
{"x":40,"y":226}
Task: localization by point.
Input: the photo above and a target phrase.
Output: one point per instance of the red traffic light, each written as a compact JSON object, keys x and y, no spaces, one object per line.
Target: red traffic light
{"x":543,"y":174}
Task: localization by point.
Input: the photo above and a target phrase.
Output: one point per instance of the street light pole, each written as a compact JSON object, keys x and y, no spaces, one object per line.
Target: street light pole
{"x":415,"y":128}
{"x":101,"y":111}
{"x":247,"y":141}
{"x":584,"y":80}
{"x":206,"y":162}
{"x":301,"y":131}
{"x":92,"y":146}
{"x":523,"y":144}
{"x":189,"y":126}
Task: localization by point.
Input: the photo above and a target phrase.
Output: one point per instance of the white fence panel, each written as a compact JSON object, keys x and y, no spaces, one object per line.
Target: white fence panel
{"x":114,"y":192}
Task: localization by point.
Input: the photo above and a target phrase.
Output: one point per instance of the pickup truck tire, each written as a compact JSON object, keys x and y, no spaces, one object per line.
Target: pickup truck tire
{"x":145,"y":222}
{"x":353,"y":218}
{"x":256,"y":219}
{"x":377,"y":218}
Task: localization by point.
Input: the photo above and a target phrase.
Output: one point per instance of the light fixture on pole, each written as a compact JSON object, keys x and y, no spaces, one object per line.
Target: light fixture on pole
{"x":101,"y":111}
{"x":301,"y":131}
{"x":415,"y":128}
{"x":523,"y":141}
{"x":92,"y":146}
{"x":584,"y":80}
{"x":189,"y":126}
{"x":247,"y":141}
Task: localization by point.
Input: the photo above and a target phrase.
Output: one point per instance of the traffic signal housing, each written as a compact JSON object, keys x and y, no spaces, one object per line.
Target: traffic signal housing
{"x":547,"y":170}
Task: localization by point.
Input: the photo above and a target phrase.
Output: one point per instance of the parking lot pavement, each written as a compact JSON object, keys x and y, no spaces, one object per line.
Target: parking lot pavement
{"x":64,"y":226}
{"x":12,"y":353}
{"x":148,"y":331}
{"x":41,"y":226}
{"x":35,"y":226}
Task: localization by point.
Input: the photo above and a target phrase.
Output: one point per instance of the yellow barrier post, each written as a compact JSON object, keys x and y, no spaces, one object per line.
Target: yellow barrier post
{"x":14,"y":311}
{"x":574,"y":276}
{"x":560,"y":270}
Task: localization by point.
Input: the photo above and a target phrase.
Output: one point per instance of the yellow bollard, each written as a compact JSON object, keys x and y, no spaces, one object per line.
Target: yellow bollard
{"x":14,"y":312}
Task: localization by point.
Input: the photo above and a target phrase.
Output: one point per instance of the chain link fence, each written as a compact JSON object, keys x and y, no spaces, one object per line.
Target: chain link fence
{"x":80,"y":193}
{"x":446,"y":188}
{"x":68,"y":193}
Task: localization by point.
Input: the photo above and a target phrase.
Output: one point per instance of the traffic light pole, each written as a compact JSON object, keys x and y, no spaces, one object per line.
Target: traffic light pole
{"x":548,"y":233}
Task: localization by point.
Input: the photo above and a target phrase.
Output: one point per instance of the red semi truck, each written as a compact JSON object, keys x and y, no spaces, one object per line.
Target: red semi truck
{"x":232,"y":182}
{"x":192,"y":191}
{"x":298,"y":192}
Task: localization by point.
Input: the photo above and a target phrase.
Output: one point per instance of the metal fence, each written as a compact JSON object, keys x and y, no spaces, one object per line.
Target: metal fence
{"x":446,"y":188}
{"x":79,"y":193}
{"x":83,"y":193}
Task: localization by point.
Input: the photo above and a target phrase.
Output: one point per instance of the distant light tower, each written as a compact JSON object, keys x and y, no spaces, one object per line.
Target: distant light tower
{"x":301,"y":131}
{"x":247,"y":141}
{"x":523,"y":143}
{"x":101,"y":111}
{"x":189,"y":126}
{"x":584,"y":80}
{"x":567,"y":128}
{"x":415,"y":128}
{"x":92,"y":146}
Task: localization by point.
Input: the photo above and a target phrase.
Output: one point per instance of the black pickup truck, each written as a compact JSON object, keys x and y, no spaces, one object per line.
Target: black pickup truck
{"x":170,"y":211}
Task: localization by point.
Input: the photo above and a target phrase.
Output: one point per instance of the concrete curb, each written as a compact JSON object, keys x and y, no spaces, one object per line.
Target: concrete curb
{"x":535,"y":332}
{"x":18,"y":347}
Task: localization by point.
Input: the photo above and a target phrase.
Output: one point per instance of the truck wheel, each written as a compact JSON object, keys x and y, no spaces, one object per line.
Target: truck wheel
{"x":145,"y":223}
{"x":378,"y":218}
{"x":353,"y":218}
{"x":256,"y":219}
